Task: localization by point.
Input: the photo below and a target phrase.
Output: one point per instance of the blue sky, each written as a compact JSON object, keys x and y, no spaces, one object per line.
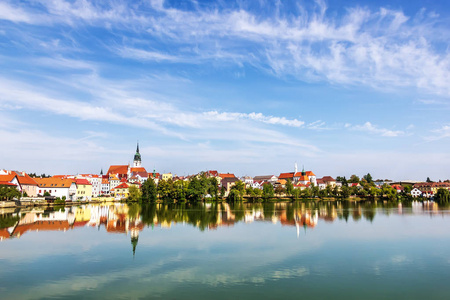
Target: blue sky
{"x":249,"y":87}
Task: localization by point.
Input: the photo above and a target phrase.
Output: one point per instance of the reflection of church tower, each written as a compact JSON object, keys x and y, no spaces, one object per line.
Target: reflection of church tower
{"x":137,"y":158}
{"x":134,"y":239}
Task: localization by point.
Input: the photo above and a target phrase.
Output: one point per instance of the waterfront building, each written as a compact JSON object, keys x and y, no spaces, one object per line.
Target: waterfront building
{"x":429,"y":189}
{"x":415,"y":192}
{"x":63,"y":188}
{"x":270,"y":178}
{"x":24,"y":184}
{"x":84,"y":189}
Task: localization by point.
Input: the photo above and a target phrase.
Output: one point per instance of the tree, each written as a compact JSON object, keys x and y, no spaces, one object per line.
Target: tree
{"x":213,"y":188}
{"x":428,"y":179}
{"x":164,"y":189}
{"x":268,"y":191}
{"x":289,"y":187}
{"x":240,"y":187}
{"x":368,"y":178}
{"x":47,"y":194}
{"x":442,"y":196}
{"x":9,"y":193}
{"x":279,"y":190}
{"x":345,"y":192}
{"x":234,"y":195}
{"x":195,"y":191}
{"x":354,"y":179}
{"x":149,"y":192}
{"x":134,"y":194}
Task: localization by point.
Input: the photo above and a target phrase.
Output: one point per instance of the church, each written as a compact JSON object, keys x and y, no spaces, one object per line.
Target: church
{"x":135,"y":173}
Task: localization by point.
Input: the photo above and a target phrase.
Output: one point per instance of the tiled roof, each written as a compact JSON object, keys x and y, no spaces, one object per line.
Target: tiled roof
{"x":310,"y":173}
{"x":123,"y":185}
{"x":118,"y":169}
{"x":303,"y":178}
{"x":227,"y":175}
{"x":263,"y":177}
{"x":82,"y":182}
{"x":328,"y":178}
{"x":8,"y":177}
{"x":53,"y":182}
{"x":7,"y":183}
{"x":24,"y":178}
{"x":140,"y":169}
{"x":286,"y":175}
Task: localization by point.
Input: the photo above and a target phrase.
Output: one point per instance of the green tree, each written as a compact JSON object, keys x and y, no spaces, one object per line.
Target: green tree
{"x":234,"y":195}
{"x":345,"y":192}
{"x":442,"y":196}
{"x":368,"y":178}
{"x":213,"y":188}
{"x":195,"y":190}
{"x":268,"y":191}
{"x":428,"y":179}
{"x":47,"y":194}
{"x":149,"y":191}
{"x":134,"y":194}
{"x":165,"y":189}
{"x":279,"y":190}
{"x":354,"y":179}
{"x":289,"y":187}
{"x":9,"y":193}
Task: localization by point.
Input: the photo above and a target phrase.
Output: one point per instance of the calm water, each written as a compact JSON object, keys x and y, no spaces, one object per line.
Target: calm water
{"x":327,"y":251}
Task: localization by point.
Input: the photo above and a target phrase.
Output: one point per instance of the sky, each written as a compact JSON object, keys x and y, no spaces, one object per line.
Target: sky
{"x":246,"y":87}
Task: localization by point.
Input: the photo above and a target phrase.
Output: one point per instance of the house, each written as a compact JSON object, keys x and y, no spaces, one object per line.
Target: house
{"x":429,"y":189}
{"x":301,"y":186}
{"x":113,"y":181}
{"x":63,"y":188}
{"x":10,"y":179}
{"x":95,"y":181}
{"x":166,"y":176}
{"x":105,"y":185}
{"x":257,"y":184}
{"x":247,"y":180}
{"x":287,"y":176}
{"x":228,"y":182}
{"x":222,"y":176}
{"x":415,"y":192}
{"x":329,"y":181}
{"x":121,"y":191}
{"x":84,"y":189}
{"x":270,"y":178}
{"x":321,"y":184}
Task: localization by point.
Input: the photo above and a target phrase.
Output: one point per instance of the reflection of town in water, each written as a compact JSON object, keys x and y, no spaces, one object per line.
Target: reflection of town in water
{"x":130,"y":219}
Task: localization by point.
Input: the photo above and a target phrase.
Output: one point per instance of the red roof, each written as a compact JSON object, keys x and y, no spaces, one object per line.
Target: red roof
{"x":328,"y":178}
{"x":82,"y":182}
{"x":140,"y":169}
{"x":53,"y":182}
{"x":289,"y":175}
{"x":24,"y":178}
{"x":123,"y":185}
{"x":227,"y":175}
{"x":7,"y":178}
{"x":7,"y":183}
{"x":118,"y":169}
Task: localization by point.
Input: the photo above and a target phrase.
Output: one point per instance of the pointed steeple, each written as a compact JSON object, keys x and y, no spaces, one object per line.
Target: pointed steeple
{"x":101,"y":171}
{"x":137,"y":157}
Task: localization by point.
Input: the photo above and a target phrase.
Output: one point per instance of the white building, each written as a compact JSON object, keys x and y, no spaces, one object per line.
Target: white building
{"x":62,"y":188}
{"x":415,"y":192}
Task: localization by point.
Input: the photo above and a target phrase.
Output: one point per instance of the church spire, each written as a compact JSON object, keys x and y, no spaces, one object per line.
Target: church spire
{"x":137,"y":158}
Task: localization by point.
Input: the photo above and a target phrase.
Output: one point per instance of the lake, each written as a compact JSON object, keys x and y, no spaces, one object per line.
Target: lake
{"x":226,"y":251}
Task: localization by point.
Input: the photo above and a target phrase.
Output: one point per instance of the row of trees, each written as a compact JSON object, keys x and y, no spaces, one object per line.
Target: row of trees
{"x":9,"y":193}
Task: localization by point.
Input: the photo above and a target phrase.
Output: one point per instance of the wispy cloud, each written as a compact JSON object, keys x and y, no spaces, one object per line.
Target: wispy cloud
{"x":370,"y":128}
{"x":381,"y":48}
{"x":439,"y":134}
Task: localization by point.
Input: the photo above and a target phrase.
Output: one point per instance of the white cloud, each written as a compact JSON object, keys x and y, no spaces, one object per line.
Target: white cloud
{"x":370,"y":128}
{"x":439,"y":134}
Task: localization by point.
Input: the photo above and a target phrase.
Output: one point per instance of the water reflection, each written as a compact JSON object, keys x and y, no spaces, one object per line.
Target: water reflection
{"x":133,"y":218}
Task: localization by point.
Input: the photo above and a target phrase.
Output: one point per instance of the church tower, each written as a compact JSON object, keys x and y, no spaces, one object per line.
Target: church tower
{"x":137,"y":158}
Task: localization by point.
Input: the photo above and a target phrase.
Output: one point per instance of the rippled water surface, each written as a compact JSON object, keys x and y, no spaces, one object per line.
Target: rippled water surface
{"x":221,"y":251}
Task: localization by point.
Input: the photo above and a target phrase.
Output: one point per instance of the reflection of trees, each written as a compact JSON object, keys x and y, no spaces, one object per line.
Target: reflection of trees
{"x":132,"y":218}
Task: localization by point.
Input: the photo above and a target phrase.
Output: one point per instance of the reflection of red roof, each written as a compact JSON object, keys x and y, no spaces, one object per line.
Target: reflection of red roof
{"x":4,"y":234}
{"x":80,"y":223}
{"x":41,"y":225}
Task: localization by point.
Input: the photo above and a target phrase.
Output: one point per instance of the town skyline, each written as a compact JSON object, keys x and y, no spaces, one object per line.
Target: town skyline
{"x":248,"y":88}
